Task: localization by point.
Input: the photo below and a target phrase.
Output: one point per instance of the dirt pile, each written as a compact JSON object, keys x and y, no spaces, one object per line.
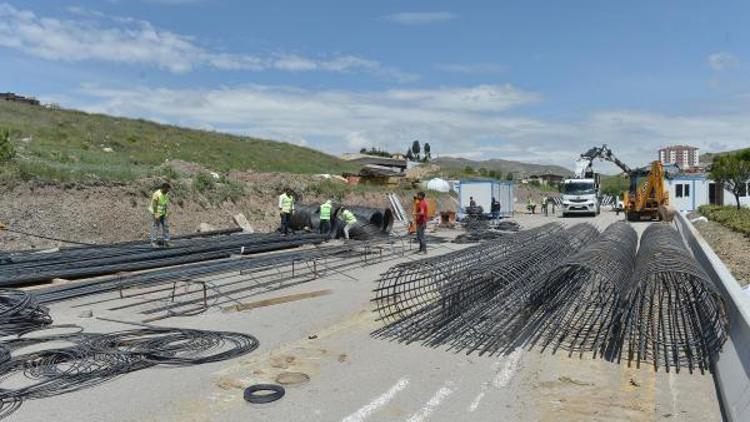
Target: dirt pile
{"x":118,"y":212}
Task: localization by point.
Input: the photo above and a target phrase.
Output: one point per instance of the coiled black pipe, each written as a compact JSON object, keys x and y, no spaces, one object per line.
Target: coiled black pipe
{"x":371,"y":222}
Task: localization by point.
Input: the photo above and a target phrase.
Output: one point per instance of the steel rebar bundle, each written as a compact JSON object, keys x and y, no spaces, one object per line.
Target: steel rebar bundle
{"x":166,"y":275}
{"x":478,"y":306}
{"x":671,"y":315}
{"x":576,"y":305}
{"x":407,"y":288}
{"x":499,"y":310}
{"x":93,"y":261}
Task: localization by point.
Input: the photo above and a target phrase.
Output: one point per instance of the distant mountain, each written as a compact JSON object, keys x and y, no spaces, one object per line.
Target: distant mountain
{"x":503,"y":167}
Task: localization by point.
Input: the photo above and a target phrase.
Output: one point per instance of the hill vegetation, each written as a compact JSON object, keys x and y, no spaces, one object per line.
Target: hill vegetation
{"x":500,"y":168}
{"x":708,"y":158}
{"x":67,"y":145}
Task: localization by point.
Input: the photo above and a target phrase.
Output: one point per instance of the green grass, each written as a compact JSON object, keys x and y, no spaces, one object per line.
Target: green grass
{"x":614,"y":185}
{"x":67,"y":145}
{"x":731,"y":217}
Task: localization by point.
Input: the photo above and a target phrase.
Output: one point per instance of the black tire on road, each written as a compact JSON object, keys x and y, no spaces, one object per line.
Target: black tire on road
{"x":250,"y":395}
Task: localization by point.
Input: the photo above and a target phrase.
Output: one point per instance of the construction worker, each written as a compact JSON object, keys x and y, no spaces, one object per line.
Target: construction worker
{"x":531,"y":205}
{"x":349,"y":221}
{"x":545,"y":200}
{"x":472,"y":202}
{"x":495,"y":208}
{"x":325,"y":217}
{"x":286,"y":209}
{"x":421,"y":220}
{"x":158,"y":208}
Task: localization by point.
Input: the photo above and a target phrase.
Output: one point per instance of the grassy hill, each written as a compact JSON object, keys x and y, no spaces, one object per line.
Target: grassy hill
{"x":708,"y":158}
{"x":519,"y":169}
{"x":67,"y":145}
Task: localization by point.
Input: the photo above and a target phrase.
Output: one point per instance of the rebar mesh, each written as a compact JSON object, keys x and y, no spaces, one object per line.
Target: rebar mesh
{"x":671,"y":315}
{"x":576,"y":305}
{"x":477,"y":306}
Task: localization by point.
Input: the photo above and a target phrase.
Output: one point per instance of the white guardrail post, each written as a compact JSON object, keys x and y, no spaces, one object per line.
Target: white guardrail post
{"x":733,"y":364}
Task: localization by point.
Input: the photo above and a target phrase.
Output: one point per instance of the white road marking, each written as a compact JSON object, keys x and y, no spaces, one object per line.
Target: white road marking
{"x":377,"y":403}
{"x":473,"y":406}
{"x":674,"y":393}
{"x":501,"y":379}
{"x":434,"y":402}
{"x":511,"y":366}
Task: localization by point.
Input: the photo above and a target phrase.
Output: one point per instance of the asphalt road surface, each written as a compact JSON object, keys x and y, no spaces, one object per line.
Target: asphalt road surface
{"x":321,"y":341}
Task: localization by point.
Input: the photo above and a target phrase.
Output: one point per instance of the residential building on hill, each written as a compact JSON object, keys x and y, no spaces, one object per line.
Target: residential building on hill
{"x":684,"y":156}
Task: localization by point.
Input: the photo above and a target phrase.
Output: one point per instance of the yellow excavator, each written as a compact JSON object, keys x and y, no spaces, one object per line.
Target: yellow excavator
{"x":647,"y":195}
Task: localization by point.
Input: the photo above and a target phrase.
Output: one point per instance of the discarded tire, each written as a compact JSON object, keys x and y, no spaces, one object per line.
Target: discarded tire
{"x":251,"y":393}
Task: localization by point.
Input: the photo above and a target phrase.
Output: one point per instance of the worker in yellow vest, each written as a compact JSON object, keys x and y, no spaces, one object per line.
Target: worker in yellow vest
{"x":286,"y":209}
{"x":349,"y":221}
{"x":158,"y":208}
{"x":325,"y":218}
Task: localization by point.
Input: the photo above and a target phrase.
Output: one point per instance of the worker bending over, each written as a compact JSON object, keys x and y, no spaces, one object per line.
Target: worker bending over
{"x":531,"y":205}
{"x":421,"y":220}
{"x":349,"y":221}
{"x":286,"y":209}
{"x":158,"y":208}
{"x":325,"y":218}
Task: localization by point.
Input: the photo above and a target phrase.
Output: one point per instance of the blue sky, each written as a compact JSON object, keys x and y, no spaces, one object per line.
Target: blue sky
{"x":525,"y":80}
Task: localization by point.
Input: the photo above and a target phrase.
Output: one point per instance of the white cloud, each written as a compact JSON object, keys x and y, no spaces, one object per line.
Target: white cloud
{"x":472,"y":68}
{"x":723,"y":61}
{"x":419,"y":18}
{"x":129,"y":41}
{"x":477,"y":122}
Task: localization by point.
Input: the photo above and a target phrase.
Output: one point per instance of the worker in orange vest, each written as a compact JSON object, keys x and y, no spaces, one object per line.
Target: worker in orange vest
{"x":421,"y":220}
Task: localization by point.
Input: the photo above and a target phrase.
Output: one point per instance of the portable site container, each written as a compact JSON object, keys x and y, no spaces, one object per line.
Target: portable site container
{"x":483,"y":191}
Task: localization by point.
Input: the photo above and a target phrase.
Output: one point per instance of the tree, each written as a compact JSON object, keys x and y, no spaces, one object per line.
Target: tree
{"x":469,"y":170}
{"x":363,"y":151}
{"x":732,"y":171}
{"x":493,"y":174}
{"x":409,"y":155}
{"x":614,"y":185}
{"x":509,"y":176}
{"x":427,"y":155}
{"x":415,"y":149}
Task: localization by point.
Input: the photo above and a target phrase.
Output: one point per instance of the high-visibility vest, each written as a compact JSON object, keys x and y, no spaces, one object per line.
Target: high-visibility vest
{"x":325,"y":211}
{"x":349,"y":217}
{"x":162,"y":201}
{"x":287,"y":204}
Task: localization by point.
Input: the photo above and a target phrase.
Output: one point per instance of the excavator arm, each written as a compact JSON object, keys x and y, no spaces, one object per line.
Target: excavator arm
{"x":583,"y":164}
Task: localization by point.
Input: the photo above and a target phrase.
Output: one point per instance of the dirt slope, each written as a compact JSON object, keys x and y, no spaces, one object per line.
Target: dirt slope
{"x":109,"y":213}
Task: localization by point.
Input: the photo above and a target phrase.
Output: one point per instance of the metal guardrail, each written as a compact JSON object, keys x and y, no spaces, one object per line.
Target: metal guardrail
{"x":732,"y":372}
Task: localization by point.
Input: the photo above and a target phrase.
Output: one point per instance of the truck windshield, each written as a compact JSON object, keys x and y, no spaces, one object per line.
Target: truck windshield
{"x":579,"y":188}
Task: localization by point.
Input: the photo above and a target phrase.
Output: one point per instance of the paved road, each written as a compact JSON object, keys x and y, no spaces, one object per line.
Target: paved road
{"x":353,"y":377}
